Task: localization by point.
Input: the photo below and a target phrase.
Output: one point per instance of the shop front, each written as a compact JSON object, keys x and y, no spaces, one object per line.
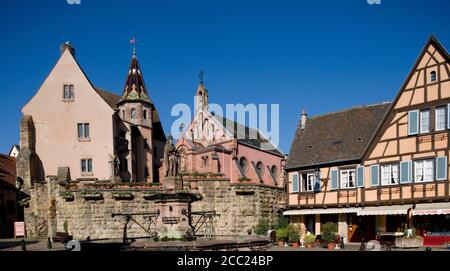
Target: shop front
{"x":432,"y":222}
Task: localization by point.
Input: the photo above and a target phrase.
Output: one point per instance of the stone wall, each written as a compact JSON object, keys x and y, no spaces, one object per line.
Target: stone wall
{"x":239,"y":208}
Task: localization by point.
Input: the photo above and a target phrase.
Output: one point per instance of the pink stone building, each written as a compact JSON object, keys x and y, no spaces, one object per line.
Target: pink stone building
{"x":94,"y":134}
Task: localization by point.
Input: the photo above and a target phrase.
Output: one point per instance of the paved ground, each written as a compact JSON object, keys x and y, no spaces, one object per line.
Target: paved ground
{"x":41,"y":245}
{"x":350,"y":247}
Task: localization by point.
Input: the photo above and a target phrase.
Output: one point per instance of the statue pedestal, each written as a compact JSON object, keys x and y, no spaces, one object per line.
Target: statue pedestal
{"x":172,"y":183}
{"x":174,"y":208}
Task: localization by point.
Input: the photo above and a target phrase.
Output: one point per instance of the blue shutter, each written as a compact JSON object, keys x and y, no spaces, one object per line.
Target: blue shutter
{"x":405,"y":172}
{"x":413,"y":122}
{"x":441,"y":168}
{"x":448,"y":116}
{"x":375,"y":175}
{"x":295,"y":183}
{"x":334,"y":180}
{"x":317,"y":182}
{"x":360,"y":177}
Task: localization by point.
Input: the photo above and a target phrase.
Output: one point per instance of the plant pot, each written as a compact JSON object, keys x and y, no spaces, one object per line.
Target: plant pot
{"x":331,"y":246}
{"x":406,"y":243}
{"x":281,"y":243}
{"x":295,"y":244}
{"x":309,"y":246}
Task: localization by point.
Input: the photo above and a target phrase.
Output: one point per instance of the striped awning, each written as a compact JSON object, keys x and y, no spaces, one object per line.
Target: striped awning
{"x":385,"y":210}
{"x":321,"y":211}
{"x":440,"y":208}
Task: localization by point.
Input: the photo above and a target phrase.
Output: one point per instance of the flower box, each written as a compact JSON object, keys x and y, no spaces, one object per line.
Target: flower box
{"x":92,"y":195}
{"x":409,"y":242}
{"x":122,"y":195}
{"x":68,"y":196}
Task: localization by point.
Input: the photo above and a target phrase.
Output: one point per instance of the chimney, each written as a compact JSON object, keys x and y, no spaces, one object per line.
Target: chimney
{"x":68,"y":46}
{"x":303,"y":120}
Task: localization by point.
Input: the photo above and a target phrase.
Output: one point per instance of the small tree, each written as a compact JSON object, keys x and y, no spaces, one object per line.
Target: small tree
{"x":329,"y":231}
{"x":282,"y":222}
{"x":282,"y":234}
{"x":294,"y":234}
{"x":263,"y":226}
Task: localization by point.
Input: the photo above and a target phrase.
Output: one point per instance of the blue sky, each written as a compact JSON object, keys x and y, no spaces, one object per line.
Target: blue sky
{"x":316,"y":55}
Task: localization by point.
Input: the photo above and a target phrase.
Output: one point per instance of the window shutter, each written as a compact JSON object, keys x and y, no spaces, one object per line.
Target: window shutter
{"x":448,"y":116}
{"x":334,"y":180}
{"x":360,"y":177}
{"x":413,"y":122}
{"x":374,"y":175}
{"x":295,"y":183}
{"x":317,"y":182}
{"x":301,"y":185}
{"x":405,"y":172}
{"x":441,"y":168}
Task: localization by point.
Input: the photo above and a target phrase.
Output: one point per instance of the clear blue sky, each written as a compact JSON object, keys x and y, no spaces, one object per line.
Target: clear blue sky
{"x":315,"y":55}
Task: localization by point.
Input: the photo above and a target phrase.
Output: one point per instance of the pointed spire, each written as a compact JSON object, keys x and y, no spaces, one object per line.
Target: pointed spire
{"x":135,"y":90}
{"x":201,"y":97}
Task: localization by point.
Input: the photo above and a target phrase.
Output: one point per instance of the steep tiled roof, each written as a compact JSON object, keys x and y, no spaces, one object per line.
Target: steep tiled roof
{"x":7,"y":171}
{"x":245,"y":134}
{"x":335,"y":137}
{"x":135,"y":90}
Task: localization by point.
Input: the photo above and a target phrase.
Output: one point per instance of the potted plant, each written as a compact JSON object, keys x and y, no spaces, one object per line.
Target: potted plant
{"x":329,"y":234}
{"x":282,"y":236}
{"x":310,"y":239}
{"x":294,"y":237}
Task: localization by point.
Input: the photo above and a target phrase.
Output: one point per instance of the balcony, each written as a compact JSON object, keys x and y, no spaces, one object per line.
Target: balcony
{"x":121,"y":144}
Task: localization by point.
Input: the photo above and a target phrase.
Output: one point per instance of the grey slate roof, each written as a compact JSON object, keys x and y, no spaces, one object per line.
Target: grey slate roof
{"x":246,"y":135}
{"x":335,"y":137}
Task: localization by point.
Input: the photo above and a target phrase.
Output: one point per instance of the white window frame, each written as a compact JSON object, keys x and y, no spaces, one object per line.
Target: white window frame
{"x":421,"y":122}
{"x":70,"y":91}
{"x":346,"y":184}
{"x":388,"y":170}
{"x":83,"y":131}
{"x":309,"y":183}
{"x":84,"y":164}
{"x":444,"y":108}
{"x":421,"y":165}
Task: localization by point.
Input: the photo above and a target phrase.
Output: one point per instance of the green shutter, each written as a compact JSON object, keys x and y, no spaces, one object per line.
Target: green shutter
{"x":295,"y":183}
{"x":405,"y":172}
{"x":441,"y":168}
{"x":375,"y":175}
{"x":334,"y":180}
{"x":360,"y":177}
{"x":413,"y":122}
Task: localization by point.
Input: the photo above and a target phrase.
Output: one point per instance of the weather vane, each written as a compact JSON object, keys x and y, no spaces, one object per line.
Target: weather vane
{"x":134,"y":41}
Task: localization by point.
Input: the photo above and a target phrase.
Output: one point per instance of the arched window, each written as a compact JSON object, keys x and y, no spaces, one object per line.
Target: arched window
{"x":133,"y":113}
{"x":123,"y":114}
{"x":260,"y":168}
{"x":274,"y":171}
{"x":433,"y":76}
{"x":145,"y":114}
{"x":243,"y":163}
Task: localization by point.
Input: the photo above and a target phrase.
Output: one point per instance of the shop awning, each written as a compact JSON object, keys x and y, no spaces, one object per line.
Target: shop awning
{"x":385,"y":210}
{"x":321,"y":211}
{"x":441,"y":208}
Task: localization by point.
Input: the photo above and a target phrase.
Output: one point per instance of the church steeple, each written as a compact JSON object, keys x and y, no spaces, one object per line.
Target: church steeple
{"x":201,"y":97}
{"x":135,"y":90}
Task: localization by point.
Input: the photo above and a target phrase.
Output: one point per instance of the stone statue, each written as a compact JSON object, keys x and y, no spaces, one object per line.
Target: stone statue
{"x":170,"y":158}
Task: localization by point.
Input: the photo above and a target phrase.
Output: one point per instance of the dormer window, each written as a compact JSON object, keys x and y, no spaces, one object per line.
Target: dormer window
{"x":433,"y":76}
{"x":68,"y":93}
{"x":133,"y":113}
